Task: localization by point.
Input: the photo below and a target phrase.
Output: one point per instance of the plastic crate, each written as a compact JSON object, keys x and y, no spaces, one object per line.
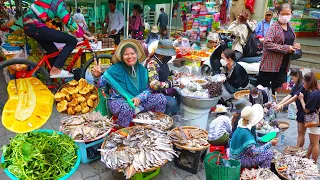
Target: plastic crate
{"x":103,"y":61}
{"x":68,"y":61}
{"x":197,"y":157}
{"x":146,"y":176}
{"x":89,"y":151}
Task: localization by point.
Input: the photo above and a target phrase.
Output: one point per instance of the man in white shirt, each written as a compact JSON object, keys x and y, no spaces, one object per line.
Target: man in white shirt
{"x":115,"y":22}
{"x":79,"y":18}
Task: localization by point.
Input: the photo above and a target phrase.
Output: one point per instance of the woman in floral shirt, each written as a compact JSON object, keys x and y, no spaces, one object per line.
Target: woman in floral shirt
{"x":128,"y":81}
{"x":159,"y":72}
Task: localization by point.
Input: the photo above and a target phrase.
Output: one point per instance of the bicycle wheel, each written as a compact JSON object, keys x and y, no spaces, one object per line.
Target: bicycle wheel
{"x":89,"y":62}
{"x":44,"y":73}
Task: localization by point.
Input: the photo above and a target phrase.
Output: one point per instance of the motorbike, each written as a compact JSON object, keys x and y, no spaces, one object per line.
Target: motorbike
{"x":212,"y":66}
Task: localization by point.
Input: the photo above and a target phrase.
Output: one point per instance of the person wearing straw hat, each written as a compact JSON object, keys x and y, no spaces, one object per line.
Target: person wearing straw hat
{"x":153,"y":36}
{"x":239,"y":105}
{"x":244,"y":143}
{"x":127,"y":81}
{"x":159,"y":73}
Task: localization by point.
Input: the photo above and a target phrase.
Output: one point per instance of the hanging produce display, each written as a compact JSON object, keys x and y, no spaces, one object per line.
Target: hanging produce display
{"x":29,"y":105}
{"x":137,"y":149}
{"x":76,"y":97}
{"x":86,"y":127}
{"x":40,"y":155}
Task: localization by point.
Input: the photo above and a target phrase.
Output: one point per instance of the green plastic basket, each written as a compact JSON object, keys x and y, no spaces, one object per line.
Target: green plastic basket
{"x":214,"y":172}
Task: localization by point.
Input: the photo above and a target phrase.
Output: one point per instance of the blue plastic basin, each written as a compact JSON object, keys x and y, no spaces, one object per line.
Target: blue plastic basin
{"x":72,"y":171}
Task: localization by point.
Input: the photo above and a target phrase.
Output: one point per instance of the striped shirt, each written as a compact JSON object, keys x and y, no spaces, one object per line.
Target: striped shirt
{"x":42,"y":11}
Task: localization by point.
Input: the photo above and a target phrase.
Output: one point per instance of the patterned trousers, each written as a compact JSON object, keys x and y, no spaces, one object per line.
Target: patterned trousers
{"x":125,"y":113}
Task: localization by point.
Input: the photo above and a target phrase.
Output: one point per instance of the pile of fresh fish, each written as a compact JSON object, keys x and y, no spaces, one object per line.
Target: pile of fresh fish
{"x":297,"y":168}
{"x":164,"y":123}
{"x":276,"y":155}
{"x":258,"y":174}
{"x":190,"y":138}
{"x":137,"y":150}
{"x":86,"y":126}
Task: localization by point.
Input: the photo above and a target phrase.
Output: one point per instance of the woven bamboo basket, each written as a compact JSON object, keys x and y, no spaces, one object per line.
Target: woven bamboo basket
{"x":280,"y":174}
{"x":283,"y":125}
{"x":187,"y":147}
{"x":148,"y":170}
{"x":159,"y":114}
{"x":241,"y":94}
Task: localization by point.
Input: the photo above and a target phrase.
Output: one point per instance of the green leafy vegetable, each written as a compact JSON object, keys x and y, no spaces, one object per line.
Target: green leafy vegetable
{"x":40,"y":155}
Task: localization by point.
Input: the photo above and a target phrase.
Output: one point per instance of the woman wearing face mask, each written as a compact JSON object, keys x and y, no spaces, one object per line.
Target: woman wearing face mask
{"x":127,"y":81}
{"x":159,"y":74}
{"x":258,"y":96}
{"x":237,"y":76}
{"x":244,"y":143}
{"x":278,"y":48}
{"x":297,"y":78}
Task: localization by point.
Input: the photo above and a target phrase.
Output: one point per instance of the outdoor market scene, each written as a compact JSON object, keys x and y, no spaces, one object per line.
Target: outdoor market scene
{"x":160,"y":90}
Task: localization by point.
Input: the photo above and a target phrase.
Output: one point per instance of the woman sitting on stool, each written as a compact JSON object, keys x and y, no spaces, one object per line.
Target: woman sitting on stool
{"x":237,"y":76}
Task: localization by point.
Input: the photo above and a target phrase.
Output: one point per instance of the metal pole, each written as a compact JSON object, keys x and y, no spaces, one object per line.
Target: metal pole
{"x":171,"y":6}
{"x":124,"y":15}
{"x":95,"y":16}
{"x":75,"y":4}
{"x":128,"y":15}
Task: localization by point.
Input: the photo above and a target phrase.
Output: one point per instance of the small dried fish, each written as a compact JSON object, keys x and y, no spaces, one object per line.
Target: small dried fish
{"x":141,"y":150}
{"x":163,"y":121}
{"x":86,"y":127}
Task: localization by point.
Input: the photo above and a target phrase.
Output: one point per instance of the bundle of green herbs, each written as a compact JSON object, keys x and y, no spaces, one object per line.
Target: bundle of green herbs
{"x":40,"y":155}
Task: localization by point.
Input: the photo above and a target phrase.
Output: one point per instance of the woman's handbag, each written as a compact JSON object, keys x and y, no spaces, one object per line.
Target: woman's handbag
{"x":312,"y":119}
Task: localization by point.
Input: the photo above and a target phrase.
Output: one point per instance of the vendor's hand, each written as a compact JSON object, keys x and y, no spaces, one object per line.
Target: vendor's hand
{"x":96,"y":70}
{"x":274,"y":141}
{"x":301,"y":96}
{"x":291,"y":49}
{"x":113,"y":32}
{"x":278,"y":107}
{"x":297,"y":46}
{"x":136,"y":101}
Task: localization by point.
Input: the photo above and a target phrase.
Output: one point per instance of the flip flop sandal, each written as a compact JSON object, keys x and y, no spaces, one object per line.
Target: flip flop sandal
{"x":63,"y":74}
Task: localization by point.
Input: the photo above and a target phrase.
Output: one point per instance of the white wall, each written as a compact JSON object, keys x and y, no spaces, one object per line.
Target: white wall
{"x":260,"y":8}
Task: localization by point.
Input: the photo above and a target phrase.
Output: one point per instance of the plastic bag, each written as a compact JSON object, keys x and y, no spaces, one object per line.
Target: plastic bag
{"x":292,"y":110}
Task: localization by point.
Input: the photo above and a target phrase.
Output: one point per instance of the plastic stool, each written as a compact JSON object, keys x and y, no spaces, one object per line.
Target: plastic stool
{"x":145,"y":176}
{"x":83,"y":150}
{"x":221,"y":149}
